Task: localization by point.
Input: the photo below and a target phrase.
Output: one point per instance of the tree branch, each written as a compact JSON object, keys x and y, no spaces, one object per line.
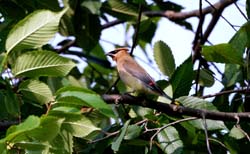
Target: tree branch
{"x":174,"y":16}
{"x":175,"y":110}
{"x":227,"y":92}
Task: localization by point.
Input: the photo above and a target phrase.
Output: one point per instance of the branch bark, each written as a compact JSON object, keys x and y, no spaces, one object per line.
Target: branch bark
{"x":175,"y":110}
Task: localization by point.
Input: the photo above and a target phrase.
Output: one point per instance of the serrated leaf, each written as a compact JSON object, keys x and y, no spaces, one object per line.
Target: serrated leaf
{"x":79,"y":127}
{"x":132,"y":132}
{"x":36,"y":90}
{"x":211,"y":124}
{"x":30,"y":123}
{"x":67,"y":113}
{"x":197,"y":103}
{"x":88,"y":97}
{"x":122,"y":10}
{"x":49,"y":124}
{"x":34,"y":133}
{"x":42,"y":63}
{"x":63,"y":143}
{"x":164,"y":58}
{"x":169,"y":140}
{"x":34,"y":30}
{"x":222,"y":53}
{"x":182,"y":78}
{"x":116,"y":144}
{"x":33,"y":147}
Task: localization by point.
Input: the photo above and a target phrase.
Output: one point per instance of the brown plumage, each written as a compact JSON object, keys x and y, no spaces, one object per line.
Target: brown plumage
{"x":133,"y":75}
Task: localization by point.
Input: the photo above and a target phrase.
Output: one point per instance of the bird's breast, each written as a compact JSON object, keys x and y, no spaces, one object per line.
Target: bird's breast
{"x":131,"y":81}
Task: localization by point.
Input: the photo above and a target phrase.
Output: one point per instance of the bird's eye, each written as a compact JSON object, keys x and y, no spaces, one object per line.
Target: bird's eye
{"x":114,"y":52}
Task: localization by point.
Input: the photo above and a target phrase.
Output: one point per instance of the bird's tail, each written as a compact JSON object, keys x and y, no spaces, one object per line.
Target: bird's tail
{"x":162,"y":93}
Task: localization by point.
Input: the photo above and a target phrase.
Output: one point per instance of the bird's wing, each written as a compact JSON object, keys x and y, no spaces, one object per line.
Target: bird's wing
{"x":137,"y":71}
{"x":143,"y":76}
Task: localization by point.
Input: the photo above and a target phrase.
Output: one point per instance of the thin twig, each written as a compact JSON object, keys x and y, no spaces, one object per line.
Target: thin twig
{"x":206,"y":134}
{"x":158,"y":130}
{"x":222,"y":16}
{"x":240,"y":11}
{"x":108,"y":135}
{"x":223,"y":145}
{"x":245,"y":90}
{"x":243,"y":132}
{"x":137,"y":29}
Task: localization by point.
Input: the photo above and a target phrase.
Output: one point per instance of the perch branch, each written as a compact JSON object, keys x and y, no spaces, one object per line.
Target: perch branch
{"x":175,"y":110}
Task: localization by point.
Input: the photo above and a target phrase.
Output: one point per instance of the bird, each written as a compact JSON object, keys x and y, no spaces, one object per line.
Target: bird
{"x":134,"y":75}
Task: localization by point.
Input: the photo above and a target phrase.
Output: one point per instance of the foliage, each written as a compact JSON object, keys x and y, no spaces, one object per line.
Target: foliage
{"x":51,"y":106}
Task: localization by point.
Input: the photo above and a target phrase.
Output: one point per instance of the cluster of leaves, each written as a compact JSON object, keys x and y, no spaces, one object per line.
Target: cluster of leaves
{"x":58,"y":109}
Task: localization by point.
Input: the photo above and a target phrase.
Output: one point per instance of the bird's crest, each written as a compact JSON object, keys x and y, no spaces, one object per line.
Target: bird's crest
{"x":118,"y":49}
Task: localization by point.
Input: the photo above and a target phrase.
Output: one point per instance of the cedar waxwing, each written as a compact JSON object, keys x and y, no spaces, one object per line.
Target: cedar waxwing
{"x":133,"y":75}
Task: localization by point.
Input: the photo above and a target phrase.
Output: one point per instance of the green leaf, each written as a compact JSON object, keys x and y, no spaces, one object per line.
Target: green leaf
{"x":30,"y":123}
{"x":248,"y":8}
{"x":47,"y":130}
{"x":197,"y":103}
{"x":65,"y":112}
{"x":232,"y":74}
{"x":164,"y":58}
{"x":211,"y":124}
{"x":3,"y":146}
{"x":88,"y":97}
{"x":42,"y":63}
{"x":132,"y":132}
{"x":117,"y":143}
{"x":2,"y":61}
{"x":93,"y":6}
{"x":241,"y":39}
{"x":87,"y":29}
{"x":34,"y":30}
{"x":63,"y":143}
{"x":11,"y":102}
{"x":169,"y":140}
{"x":33,"y":147}
{"x":222,"y":53}
{"x":122,"y":10}
{"x":36,"y":90}
{"x":206,"y":78}
{"x":79,"y":127}
{"x":147,"y":31}
{"x":182,"y":78}
{"x":236,"y":133}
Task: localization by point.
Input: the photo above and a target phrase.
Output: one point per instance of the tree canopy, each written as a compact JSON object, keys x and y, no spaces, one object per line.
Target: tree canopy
{"x":50,"y":105}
